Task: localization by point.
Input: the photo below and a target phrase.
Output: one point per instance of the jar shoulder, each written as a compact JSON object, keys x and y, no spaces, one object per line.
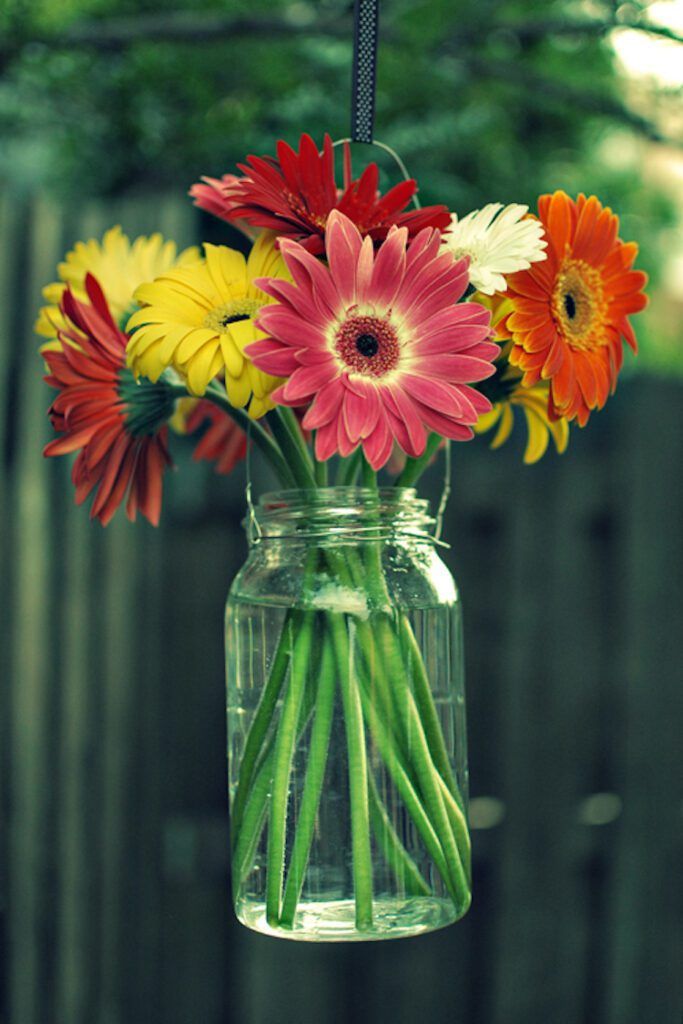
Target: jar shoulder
{"x":343,"y":577}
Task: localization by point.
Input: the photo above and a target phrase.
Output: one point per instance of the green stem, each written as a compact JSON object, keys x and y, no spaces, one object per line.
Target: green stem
{"x":246,"y":825}
{"x":358,"y":772}
{"x":293,"y":425}
{"x":459,"y":826}
{"x":377,"y":589}
{"x":293,"y":447}
{"x":409,"y":795}
{"x":320,"y":473}
{"x":378,"y":690}
{"x":419,"y":727}
{"x":419,"y":713}
{"x":373,"y":576}
{"x":256,"y":805}
{"x":313,"y":784}
{"x":379,"y":684}
{"x":352,"y":572}
{"x":369,"y":475}
{"x":405,"y":727}
{"x":253,"y":820}
{"x":263,"y":718}
{"x":425,"y":704}
{"x":414,"y":468}
{"x":348,"y":469}
{"x":427,"y":775}
{"x":284,"y":751}
{"x":253,"y":428}
{"x":405,"y":870}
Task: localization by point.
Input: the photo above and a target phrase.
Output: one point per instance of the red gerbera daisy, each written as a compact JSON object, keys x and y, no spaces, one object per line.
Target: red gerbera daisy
{"x":572,"y":310}
{"x":115,"y":423}
{"x":223,"y":442}
{"x":295,"y":193}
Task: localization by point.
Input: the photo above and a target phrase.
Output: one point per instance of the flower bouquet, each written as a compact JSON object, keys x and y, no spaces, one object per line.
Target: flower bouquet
{"x":356,"y":336}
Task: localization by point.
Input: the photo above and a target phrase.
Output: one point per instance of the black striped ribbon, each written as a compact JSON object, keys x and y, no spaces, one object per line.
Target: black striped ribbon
{"x":365,"y":32}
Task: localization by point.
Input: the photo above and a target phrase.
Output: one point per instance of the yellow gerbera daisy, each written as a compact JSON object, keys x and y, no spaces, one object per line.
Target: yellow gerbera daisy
{"x":199,"y":319}
{"x":510,"y":392}
{"x":119,"y":266}
{"x":534,"y":402}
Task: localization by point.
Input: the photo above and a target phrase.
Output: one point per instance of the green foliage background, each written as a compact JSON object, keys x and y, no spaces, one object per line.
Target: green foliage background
{"x":489,"y":100}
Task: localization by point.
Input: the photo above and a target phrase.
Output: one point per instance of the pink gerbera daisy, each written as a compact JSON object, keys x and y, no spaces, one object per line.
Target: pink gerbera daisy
{"x":376,"y":342}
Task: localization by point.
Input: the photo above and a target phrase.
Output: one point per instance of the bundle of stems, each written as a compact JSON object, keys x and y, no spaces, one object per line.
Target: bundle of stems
{"x":373,"y":666}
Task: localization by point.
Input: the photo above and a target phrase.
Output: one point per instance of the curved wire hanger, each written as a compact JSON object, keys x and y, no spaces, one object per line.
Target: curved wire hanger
{"x":365,"y":42}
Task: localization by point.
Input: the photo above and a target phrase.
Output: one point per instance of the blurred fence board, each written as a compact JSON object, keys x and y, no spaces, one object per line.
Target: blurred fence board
{"x":646,"y":908}
{"x":115,"y":898}
{"x":33,"y":706}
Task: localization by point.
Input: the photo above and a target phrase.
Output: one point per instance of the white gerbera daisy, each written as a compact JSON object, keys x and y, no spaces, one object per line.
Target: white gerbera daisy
{"x":496,"y":243}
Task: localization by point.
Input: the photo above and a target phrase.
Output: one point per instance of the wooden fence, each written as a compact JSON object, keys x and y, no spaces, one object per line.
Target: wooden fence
{"x":114,"y":885}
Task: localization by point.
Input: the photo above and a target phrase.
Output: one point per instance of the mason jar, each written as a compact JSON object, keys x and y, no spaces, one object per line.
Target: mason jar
{"x":346,"y":720}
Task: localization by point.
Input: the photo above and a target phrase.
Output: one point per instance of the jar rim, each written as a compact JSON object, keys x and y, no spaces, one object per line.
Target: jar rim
{"x":341,"y":512}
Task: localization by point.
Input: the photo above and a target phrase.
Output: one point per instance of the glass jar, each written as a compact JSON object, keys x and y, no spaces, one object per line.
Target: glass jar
{"x":346,"y":720}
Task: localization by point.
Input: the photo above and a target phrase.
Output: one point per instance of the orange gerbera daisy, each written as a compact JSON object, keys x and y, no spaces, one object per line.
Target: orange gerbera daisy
{"x":571,"y":311}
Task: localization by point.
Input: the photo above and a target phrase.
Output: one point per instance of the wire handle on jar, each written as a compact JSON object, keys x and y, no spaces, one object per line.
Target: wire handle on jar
{"x":253,"y":527}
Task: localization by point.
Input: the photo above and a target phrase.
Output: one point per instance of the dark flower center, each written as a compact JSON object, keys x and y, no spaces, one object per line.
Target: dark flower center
{"x":367,"y":345}
{"x":233,"y":312}
{"x":234,"y":319}
{"x":579,"y":306}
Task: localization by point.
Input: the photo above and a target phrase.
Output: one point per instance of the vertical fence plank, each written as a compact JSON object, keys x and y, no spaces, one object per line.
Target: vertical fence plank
{"x":142,"y":891}
{"x":479,"y":527}
{"x":645,"y":981}
{"x":11,"y":231}
{"x":196,"y":894}
{"x":75,"y":994}
{"x":522,"y":983}
{"x":119,"y":681}
{"x":31,"y":842}
{"x":79,"y":891}
{"x":570,"y":670}
{"x":549,"y":740}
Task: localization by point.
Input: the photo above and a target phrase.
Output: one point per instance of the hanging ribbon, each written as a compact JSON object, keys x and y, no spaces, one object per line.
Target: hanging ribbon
{"x":365,"y":32}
